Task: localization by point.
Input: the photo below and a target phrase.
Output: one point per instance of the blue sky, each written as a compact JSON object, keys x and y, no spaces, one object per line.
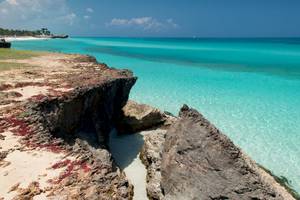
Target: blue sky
{"x":158,"y":18}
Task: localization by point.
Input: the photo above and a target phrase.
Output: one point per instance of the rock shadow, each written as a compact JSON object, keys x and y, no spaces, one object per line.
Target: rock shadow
{"x":125,"y":147}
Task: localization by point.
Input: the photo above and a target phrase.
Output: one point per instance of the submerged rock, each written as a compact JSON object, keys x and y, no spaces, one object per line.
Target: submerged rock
{"x":196,"y":161}
{"x":137,"y":117}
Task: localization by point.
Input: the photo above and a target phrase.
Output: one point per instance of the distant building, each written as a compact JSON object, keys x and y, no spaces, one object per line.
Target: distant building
{"x":45,"y":31}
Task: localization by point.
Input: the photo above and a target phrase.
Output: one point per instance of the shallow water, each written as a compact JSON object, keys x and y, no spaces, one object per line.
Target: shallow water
{"x":249,"y":88}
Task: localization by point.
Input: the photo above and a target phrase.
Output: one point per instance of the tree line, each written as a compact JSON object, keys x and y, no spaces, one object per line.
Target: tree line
{"x":12,"y":32}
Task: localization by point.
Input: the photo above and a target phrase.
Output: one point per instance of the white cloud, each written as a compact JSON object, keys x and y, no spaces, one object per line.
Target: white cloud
{"x":90,"y":10}
{"x":69,"y":18}
{"x":172,"y":23}
{"x":12,"y":2}
{"x":33,"y":14}
{"x":3,"y":11}
{"x":118,"y":22}
{"x":146,"y":23}
{"x":86,"y":17}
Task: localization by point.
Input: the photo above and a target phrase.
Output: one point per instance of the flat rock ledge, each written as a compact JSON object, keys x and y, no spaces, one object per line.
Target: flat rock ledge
{"x":194,"y":160}
{"x":55,"y":117}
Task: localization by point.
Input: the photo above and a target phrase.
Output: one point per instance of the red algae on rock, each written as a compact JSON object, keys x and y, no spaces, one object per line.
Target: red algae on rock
{"x":53,"y":147}
{"x":61,"y":164}
{"x":38,"y":98}
{"x":25,"y":84}
{"x":51,"y":112}
{"x":86,"y":168}
{"x":5,"y":87}
{"x":20,"y":127}
{"x":72,"y":168}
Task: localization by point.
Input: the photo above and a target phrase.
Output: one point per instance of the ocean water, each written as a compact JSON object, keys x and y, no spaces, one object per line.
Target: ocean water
{"x":249,"y":88}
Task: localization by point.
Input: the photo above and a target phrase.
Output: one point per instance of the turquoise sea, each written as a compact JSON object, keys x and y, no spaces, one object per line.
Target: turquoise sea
{"x":249,"y":88}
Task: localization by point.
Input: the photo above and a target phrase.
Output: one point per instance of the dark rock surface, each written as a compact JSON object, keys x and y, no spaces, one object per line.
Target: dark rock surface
{"x":197,"y":161}
{"x":4,"y":44}
{"x":75,"y":118}
{"x":91,"y":109}
{"x":74,"y":121}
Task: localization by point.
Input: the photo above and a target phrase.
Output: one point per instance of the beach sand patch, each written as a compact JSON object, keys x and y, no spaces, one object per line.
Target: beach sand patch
{"x":30,"y":91}
{"x":22,"y":167}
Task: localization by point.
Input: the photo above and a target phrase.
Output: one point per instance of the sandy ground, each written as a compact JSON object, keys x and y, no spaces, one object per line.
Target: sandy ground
{"x":23,"y":167}
{"x":11,"y":39}
{"x":29,"y":91}
{"x":125,"y":150}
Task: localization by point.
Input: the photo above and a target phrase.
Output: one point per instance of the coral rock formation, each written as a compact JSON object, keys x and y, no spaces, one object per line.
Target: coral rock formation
{"x":61,"y":113}
{"x":194,"y":160}
{"x":137,"y":117}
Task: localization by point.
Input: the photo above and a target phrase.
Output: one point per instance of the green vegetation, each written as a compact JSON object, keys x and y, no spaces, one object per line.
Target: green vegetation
{"x":8,"y":55}
{"x":12,"y":32}
{"x":17,"y":54}
{"x":10,"y":65}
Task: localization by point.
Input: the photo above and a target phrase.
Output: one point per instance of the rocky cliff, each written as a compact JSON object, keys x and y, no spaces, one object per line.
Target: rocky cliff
{"x":55,"y":117}
{"x":194,"y":160}
{"x":61,"y":114}
{"x":89,"y":109}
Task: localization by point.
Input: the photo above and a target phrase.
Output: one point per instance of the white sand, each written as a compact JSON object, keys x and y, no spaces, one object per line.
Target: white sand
{"x":25,"y":166}
{"x":125,"y":150}
{"x":5,"y":106}
{"x":29,"y":91}
{"x":11,"y":39}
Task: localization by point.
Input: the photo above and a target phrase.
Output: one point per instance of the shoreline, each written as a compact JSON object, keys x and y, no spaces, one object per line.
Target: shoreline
{"x":22,"y":38}
{"x":39,"y":91}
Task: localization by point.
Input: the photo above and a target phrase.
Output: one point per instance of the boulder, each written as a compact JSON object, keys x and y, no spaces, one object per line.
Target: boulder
{"x":199,"y":162}
{"x":4,"y":44}
{"x":151,"y":157}
{"x":138,"y":117}
{"x":194,"y":160}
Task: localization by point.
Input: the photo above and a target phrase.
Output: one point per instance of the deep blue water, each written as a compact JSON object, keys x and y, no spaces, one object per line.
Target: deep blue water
{"x":249,"y":88}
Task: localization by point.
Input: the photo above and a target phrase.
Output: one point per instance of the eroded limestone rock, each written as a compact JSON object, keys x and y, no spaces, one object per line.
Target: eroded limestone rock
{"x":69,"y":111}
{"x":194,"y":160}
{"x":151,"y":154}
{"x":137,"y":117}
